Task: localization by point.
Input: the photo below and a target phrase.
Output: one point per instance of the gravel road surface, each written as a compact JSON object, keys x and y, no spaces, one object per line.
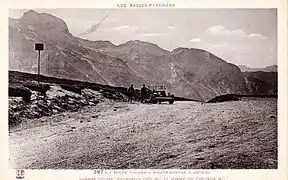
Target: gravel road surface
{"x":239,"y":134}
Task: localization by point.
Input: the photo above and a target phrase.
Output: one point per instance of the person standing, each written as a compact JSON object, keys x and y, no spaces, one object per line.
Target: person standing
{"x":130,"y":93}
{"x":143,"y":93}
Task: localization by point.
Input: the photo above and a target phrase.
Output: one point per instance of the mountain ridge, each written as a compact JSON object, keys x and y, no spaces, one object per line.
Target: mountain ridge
{"x":272,"y":68}
{"x":187,"y":72}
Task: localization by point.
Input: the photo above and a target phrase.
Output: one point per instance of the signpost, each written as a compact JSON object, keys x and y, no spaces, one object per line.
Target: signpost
{"x":39,"y":47}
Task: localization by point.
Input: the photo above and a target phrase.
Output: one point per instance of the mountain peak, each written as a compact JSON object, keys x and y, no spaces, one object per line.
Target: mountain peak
{"x":178,"y":50}
{"x":44,"y":22}
{"x":138,"y":42}
{"x":135,"y":42}
{"x":142,"y":45}
{"x":30,"y":12}
{"x":182,"y":49}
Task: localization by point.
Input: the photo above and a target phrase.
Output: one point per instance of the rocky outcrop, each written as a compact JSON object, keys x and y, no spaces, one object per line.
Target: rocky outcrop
{"x":59,"y":98}
{"x":223,"y":98}
{"x":18,"y":90}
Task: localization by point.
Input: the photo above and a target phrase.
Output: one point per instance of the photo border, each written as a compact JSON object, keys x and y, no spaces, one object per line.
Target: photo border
{"x":280,"y":173}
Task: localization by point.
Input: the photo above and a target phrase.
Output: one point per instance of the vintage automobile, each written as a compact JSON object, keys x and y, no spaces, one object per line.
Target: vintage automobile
{"x":159,"y":96}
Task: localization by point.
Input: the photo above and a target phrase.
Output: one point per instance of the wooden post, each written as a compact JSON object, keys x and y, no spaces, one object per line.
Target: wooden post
{"x":39,"y":47}
{"x":38,"y":67}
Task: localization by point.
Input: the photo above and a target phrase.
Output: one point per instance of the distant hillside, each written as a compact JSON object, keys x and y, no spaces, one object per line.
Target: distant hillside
{"x":190,"y":73}
{"x":261,"y":83}
{"x":272,"y":68}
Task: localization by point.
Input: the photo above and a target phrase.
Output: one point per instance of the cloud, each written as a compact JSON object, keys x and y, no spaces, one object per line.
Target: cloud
{"x":171,"y":27}
{"x":221,"y":46}
{"x":218,"y":30}
{"x":222,"y":31}
{"x":121,"y":27}
{"x":93,"y":28}
{"x":153,"y":34}
{"x":196,"y":40}
{"x":237,"y":46}
{"x":126,"y":28}
{"x":259,"y":36}
{"x":237,"y":33}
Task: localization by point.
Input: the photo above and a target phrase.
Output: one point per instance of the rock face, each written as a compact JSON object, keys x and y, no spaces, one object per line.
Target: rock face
{"x":261,"y":83}
{"x":191,"y":73}
{"x":64,"y":56}
{"x":206,"y":74}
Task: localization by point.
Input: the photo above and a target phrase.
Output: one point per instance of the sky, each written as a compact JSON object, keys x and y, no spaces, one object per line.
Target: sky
{"x":240,"y":36}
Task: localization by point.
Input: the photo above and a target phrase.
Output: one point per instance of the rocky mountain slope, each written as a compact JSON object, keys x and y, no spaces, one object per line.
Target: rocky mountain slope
{"x":64,"y":56}
{"x":191,"y":73}
{"x":261,"y":82}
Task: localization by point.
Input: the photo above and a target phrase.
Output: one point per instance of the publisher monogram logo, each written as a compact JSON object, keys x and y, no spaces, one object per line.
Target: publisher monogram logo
{"x":20,"y":174}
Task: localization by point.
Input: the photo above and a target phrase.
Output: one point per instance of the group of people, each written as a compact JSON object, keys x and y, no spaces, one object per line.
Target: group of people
{"x":131,"y":93}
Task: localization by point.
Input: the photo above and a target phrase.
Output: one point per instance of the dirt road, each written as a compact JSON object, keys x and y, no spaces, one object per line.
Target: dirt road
{"x":239,"y":134}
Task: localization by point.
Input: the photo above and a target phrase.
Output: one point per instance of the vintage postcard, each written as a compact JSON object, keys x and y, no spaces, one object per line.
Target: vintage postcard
{"x":146,"y":90}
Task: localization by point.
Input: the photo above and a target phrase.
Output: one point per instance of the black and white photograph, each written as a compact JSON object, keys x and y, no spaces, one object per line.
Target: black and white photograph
{"x":143,"y":88}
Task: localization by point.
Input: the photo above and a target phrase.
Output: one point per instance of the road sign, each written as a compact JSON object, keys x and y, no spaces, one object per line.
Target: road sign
{"x":39,"y":47}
